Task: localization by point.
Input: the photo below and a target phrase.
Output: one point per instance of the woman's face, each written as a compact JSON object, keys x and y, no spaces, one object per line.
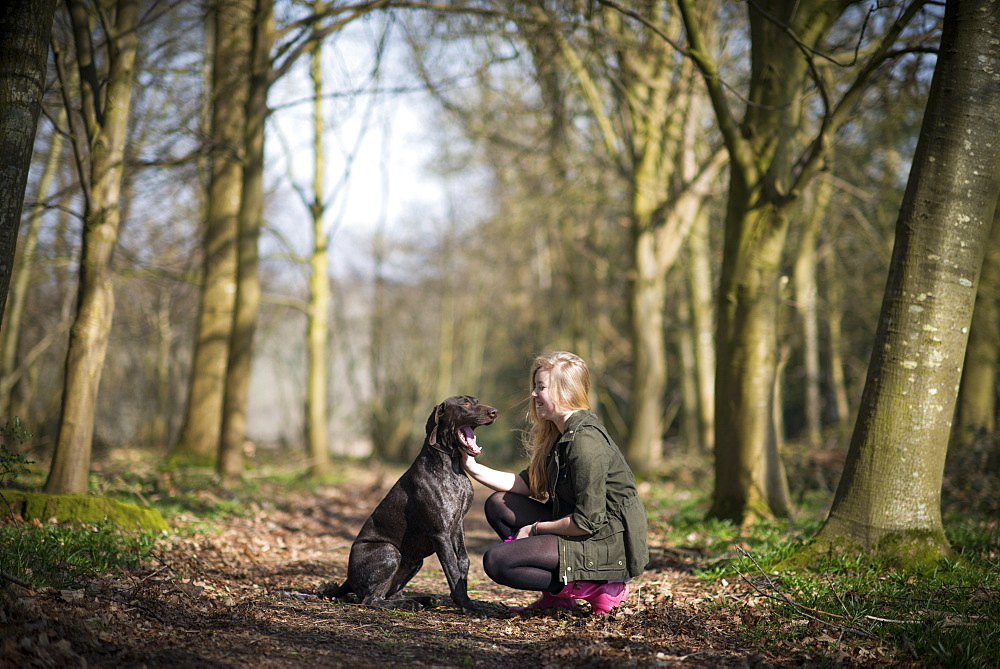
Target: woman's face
{"x":544,"y":403}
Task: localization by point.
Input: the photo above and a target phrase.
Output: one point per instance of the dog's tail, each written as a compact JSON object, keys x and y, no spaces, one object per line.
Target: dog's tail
{"x":333,"y":591}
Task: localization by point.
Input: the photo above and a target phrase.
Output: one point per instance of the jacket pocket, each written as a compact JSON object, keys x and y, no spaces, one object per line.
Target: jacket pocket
{"x":605,"y":550}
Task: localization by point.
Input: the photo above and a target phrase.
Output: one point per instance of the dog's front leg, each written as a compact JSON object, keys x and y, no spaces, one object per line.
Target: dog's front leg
{"x":461,"y":554}
{"x":454,"y":560}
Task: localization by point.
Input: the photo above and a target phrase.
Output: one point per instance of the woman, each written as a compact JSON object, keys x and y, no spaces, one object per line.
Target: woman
{"x":573,"y":524}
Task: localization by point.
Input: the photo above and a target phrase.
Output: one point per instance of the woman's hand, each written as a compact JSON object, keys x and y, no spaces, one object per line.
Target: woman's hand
{"x":564,"y":526}
{"x":524,"y":532}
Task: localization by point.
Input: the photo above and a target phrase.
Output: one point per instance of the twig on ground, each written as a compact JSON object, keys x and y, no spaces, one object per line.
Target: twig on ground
{"x":894,"y":620}
{"x":683,"y":552}
{"x":153,"y":573}
{"x":835,"y":593}
{"x":13,"y":516}
{"x":15,"y":579}
{"x":803,"y":611}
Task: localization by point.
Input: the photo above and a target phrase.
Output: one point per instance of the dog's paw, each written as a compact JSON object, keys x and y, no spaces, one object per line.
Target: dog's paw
{"x":477,"y":610}
{"x":408,"y":604}
{"x":296,"y":594}
{"x":331,"y":590}
{"x":429,"y":601}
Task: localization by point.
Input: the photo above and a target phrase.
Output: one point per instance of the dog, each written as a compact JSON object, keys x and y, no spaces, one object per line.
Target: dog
{"x":423,"y":513}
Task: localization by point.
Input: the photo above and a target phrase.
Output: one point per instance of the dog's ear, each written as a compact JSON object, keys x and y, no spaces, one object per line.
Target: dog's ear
{"x":432,"y":424}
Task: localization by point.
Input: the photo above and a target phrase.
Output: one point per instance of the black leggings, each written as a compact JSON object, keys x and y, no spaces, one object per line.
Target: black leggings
{"x":531,"y":563}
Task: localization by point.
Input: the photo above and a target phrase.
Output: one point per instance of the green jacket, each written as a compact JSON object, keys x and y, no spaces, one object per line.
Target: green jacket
{"x":589,"y":478}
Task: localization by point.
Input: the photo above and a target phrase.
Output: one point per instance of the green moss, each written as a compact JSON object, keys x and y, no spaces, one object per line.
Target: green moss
{"x":85,"y":508}
{"x":914,"y":550}
{"x":180,"y":460}
{"x":819,"y":552}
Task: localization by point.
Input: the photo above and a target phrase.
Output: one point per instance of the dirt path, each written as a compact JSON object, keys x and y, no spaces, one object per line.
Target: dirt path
{"x":220,"y":599}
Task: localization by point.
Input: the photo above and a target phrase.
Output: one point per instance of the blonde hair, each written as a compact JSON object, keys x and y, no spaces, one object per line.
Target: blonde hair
{"x":569,"y":389}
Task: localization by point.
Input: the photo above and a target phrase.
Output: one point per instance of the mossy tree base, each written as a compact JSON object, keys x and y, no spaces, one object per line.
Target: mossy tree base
{"x":86,"y":508}
{"x":913,"y":550}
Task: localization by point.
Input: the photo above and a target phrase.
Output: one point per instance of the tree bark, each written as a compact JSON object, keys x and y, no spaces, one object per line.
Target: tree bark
{"x":106,"y":99}
{"x":24,"y":265}
{"x":889,"y":497}
{"x":768,"y":165}
{"x":977,"y":397}
{"x":237,"y":391}
{"x":702,"y":296}
{"x":198,"y":442}
{"x":805,"y":280}
{"x":835,"y":346}
{"x":25,"y":30}
{"x":158,"y":424}
{"x":689,"y":427}
{"x":318,"y":328}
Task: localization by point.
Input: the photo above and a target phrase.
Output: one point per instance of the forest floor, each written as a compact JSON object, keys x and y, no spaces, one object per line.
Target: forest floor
{"x":234,"y":594}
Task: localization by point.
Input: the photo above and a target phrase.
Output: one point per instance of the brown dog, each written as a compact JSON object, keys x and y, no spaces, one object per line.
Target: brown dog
{"x":423,"y":513}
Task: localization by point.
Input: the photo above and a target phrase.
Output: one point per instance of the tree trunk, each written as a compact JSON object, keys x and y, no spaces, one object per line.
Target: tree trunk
{"x":768,"y":163}
{"x":889,"y":497}
{"x":318,"y":329}
{"x":746,"y":343}
{"x":835,"y":348}
{"x":24,"y":265}
{"x":105,"y":112}
{"x":25,"y":30}
{"x":689,"y":423}
{"x":237,"y":392}
{"x":806,"y":303}
{"x":647,"y":299}
{"x":700,"y":279}
{"x":158,"y":424}
{"x":977,"y":399}
{"x":779,"y":497}
{"x":198,"y":442}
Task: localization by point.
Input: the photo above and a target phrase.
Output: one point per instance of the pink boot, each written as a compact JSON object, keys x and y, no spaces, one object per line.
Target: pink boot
{"x":547,"y":601}
{"x":602,"y":596}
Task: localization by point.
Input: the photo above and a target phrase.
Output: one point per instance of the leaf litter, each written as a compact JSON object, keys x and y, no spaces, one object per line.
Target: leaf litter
{"x":238,"y":594}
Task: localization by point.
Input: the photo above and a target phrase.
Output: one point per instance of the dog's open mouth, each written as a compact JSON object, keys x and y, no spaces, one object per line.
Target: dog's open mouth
{"x":468,"y":438}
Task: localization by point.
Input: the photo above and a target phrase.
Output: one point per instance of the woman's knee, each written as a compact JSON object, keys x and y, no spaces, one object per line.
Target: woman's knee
{"x":495,"y":501}
{"x":496,"y":507}
{"x":492,"y":565}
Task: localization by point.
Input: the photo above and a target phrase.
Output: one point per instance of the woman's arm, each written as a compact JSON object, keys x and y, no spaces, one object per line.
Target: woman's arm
{"x":495,"y":479}
{"x":589,"y":461}
{"x":565,"y":526}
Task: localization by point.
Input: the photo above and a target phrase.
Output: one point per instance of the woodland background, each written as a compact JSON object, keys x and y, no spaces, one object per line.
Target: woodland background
{"x":247,"y":245}
{"x":702,"y":201}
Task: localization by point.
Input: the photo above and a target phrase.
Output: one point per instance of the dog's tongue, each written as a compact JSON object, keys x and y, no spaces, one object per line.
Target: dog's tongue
{"x":468,"y":438}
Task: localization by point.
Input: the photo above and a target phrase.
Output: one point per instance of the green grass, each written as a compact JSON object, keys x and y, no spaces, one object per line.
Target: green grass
{"x":67,"y":556}
{"x":948,"y":615}
{"x":189,"y":492}
{"x":850,"y":606}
